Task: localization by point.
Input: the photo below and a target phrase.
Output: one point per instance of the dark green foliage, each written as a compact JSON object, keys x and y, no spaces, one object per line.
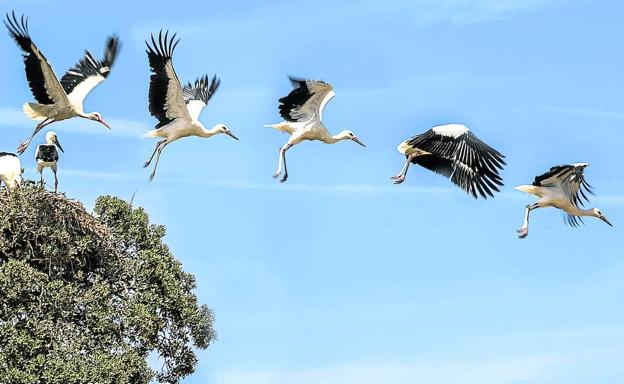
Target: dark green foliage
{"x":86,"y":298}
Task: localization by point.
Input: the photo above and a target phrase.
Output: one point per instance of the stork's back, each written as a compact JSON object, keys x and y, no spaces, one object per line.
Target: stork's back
{"x":10,"y":169}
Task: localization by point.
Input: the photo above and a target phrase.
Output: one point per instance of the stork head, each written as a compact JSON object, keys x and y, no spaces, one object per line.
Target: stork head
{"x":598,"y":213}
{"x":222,"y":128}
{"x":96,"y":116}
{"x":348,"y":135}
{"x":51,"y":138}
{"x":11,"y":183}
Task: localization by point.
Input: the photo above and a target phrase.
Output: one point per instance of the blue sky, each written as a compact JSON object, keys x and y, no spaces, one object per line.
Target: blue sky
{"x":338,"y":276}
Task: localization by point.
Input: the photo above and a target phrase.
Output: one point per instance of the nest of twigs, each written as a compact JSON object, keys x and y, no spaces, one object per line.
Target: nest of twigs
{"x":52,"y":233}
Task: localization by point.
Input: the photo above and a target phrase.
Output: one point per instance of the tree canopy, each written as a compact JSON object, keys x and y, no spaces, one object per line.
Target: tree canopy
{"x":92,"y":298}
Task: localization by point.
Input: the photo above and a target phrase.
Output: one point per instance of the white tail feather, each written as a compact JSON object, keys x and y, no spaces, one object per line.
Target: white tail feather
{"x":284,"y":127}
{"x":36,"y":111}
{"x":152,"y":133}
{"x":403,"y":148}
{"x":528,"y":189}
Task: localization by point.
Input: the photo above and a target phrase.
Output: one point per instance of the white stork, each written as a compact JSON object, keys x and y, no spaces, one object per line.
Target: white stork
{"x":562,"y":187}
{"x":302,"y":111}
{"x":47,"y":157}
{"x":455,"y":152}
{"x":10,"y":170}
{"x":58,"y":100}
{"x":177,"y":109}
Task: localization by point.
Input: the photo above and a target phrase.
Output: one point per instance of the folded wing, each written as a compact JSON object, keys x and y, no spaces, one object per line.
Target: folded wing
{"x":455,"y":152}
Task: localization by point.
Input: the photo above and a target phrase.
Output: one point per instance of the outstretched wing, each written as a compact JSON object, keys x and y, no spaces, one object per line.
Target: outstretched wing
{"x":571,"y":180}
{"x":455,"y":152}
{"x":197,"y":96}
{"x":89,"y":72}
{"x":166,"y":102}
{"x":42,"y":80}
{"x":306,"y":101}
{"x":571,"y":220}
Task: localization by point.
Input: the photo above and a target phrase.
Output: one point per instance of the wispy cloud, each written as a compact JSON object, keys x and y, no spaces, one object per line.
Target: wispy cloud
{"x":610,"y":200}
{"x":495,"y":371}
{"x":589,"y":112}
{"x":120,"y":126}
{"x":463,"y":11}
{"x":613,"y":200}
{"x":98,"y":175}
{"x":269,"y":186}
{"x":426,"y":12}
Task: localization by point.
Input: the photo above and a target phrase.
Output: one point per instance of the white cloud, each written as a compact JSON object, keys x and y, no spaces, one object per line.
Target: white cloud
{"x":607,"y":200}
{"x":463,"y":11}
{"x":588,"y":112}
{"x":269,"y":186}
{"x":494,"y":371}
{"x":425,"y":12}
{"x":120,"y":126}
{"x":98,"y":175}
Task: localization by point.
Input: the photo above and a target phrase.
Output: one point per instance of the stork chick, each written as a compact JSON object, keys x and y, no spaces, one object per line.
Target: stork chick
{"x":10,"y":170}
{"x":47,"y":157}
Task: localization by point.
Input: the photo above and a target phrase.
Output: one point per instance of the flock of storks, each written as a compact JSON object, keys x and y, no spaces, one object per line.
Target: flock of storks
{"x":450,"y":150}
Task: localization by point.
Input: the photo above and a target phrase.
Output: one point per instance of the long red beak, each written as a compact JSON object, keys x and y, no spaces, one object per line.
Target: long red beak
{"x":358,"y":141}
{"x":104,"y":123}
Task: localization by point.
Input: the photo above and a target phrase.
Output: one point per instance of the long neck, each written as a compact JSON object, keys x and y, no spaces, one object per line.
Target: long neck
{"x":208,"y":132}
{"x":582,"y":212}
{"x":334,"y":139}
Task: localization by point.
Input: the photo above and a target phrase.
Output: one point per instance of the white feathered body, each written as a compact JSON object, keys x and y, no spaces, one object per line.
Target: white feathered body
{"x":548,"y":196}
{"x":178,"y":129}
{"x":10,"y":170}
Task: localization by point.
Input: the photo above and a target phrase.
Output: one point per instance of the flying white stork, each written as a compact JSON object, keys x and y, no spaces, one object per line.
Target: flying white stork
{"x":455,"y":152}
{"x":47,"y":157}
{"x":58,"y":100}
{"x":302,"y":111}
{"x":10,"y":170}
{"x":562,"y":187}
{"x":177,"y":109}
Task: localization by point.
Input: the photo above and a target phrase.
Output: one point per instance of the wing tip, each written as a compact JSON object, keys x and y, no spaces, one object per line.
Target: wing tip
{"x":164,"y":46}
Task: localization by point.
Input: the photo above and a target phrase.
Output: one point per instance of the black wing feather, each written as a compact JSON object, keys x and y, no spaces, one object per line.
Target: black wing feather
{"x":202,"y":90}
{"x":553,"y":171}
{"x":566,"y":173}
{"x":18,"y":30}
{"x":159,"y":55}
{"x":295,"y":99}
{"x":89,"y":66}
{"x":468,"y":162}
{"x":565,"y":176}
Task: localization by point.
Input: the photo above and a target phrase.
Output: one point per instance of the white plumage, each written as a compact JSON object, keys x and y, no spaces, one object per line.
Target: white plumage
{"x":450,"y":130}
{"x":177,"y":108}
{"x":10,"y":170}
{"x":562,"y":187}
{"x":302,"y":110}
{"x":58,"y":100}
